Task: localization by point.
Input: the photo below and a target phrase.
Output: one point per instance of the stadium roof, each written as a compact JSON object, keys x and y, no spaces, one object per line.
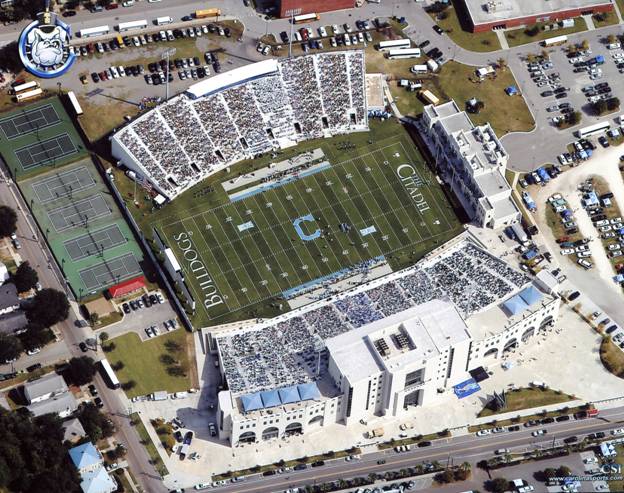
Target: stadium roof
{"x":232,"y":78}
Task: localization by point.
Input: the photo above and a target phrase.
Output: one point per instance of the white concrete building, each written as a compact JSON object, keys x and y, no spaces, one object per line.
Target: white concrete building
{"x":472,"y":161}
{"x":383,"y":349}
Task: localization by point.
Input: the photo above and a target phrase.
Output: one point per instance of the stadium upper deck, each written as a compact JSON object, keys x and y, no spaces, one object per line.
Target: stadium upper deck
{"x":242,"y":114}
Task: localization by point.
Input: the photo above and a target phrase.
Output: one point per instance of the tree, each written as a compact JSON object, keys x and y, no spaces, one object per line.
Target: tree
{"x":81,"y":370}
{"x":585,"y":45}
{"x":93,"y":318}
{"x":167,"y":359}
{"x":499,"y":485}
{"x":8,"y":221}
{"x":613,"y":104}
{"x":118,"y":366}
{"x":532,"y":31}
{"x":50,"y":470}
{"x":25,"y":277}
{"x":173,"y":346}
{"x":445,"y":476}
{"x":611,"y":39}
{"x":600,"y":107}
{"x":176,"y":371}
{"x":10,"y":347}
{"x":48,"y":307}
{"x":35,"y":336}
{"x":104,"y":337}
{"x":95,"y":424}
{"x":130,"y":384}
{"x":502,"y":64}
{"x":563,"y":471}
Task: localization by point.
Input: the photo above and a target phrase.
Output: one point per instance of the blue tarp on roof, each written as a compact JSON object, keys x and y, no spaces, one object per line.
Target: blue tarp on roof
{"x":251,"y":402}
{"x":289,"y":394}
{"x":270,"y":398}
{"x":515,"y":305}
{"x":308,"y":391}
{"x":530,"y":295}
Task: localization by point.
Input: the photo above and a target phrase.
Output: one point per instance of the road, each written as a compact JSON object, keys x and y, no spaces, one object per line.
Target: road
{"x":35,"y":251}
{"x":463,"y":448}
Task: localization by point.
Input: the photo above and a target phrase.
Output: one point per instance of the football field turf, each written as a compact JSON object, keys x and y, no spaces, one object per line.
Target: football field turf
{"x":250,"y":252}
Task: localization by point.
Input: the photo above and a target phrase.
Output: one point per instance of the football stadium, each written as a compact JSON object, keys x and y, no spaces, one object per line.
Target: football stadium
{"x":316,"y":193}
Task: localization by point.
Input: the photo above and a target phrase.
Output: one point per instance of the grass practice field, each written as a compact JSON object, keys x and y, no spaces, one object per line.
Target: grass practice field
{"x":38,"y":137}
{"x":357,"y":209}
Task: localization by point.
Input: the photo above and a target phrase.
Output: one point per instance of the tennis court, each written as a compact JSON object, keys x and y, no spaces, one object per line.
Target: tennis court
{"x":94,"y":242}
{"x":63,"y":184}
{"x":45,"y":151}
{"x":29,"y":121}
{"x":110,"y":272}
{"x":79,"y":213}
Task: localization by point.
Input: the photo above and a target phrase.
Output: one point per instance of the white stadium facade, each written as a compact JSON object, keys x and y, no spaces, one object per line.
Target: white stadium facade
{"x":384,"y":348}
{"x":241,"y":114}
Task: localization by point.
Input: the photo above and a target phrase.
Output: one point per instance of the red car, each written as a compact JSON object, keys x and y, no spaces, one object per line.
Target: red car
{"x":112,"y":6}
{"x":304,"y":33}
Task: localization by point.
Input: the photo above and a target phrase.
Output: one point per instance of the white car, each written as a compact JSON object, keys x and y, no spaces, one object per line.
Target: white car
{"x":537,"y":433}
{"x":584,"y":263}
{"x":122,"y":71}
{"x":619,"y":431}
{"x":202,"y":486}
{"x":33,"y":351}
{"x":322,"y":32}
{"x":604,"y":229}
{"x":482,"y":433}
{"x":554,"y":197}
{"x":336,"y":28}
{"x":567,"y":251}
{"x":583,"y":254}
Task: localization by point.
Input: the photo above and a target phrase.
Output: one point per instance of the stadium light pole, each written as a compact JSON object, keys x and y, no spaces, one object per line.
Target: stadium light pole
{"x":165,"y":56}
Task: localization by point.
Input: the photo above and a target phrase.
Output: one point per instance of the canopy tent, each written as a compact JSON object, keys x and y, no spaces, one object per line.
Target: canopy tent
{"x":530,"y":295}
{"x":270,"y":398}
{"x":308,"y":391}
{"x":515,"y":305}
{"x":251,"y":402}
{"x":289,"y":395}
{"x":511,"y":90}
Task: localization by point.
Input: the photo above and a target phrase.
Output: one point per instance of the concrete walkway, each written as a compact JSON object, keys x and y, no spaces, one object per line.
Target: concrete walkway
{"x":502,"y":39}
{"x":590,"y":22}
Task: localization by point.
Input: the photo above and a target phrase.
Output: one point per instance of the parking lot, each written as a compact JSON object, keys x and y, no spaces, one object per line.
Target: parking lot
{"x":142,"y":318}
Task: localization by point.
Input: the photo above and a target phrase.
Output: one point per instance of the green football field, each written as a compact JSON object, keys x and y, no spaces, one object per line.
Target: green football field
{"x":355,"y":210}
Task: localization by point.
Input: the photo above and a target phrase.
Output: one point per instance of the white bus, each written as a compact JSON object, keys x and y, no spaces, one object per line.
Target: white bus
{"x":161,"y":21}
{"x":23,"y":96}
{"x":74,"y":102}
{"x":94,"y":31}
{"x":26,"y":86}
{"x":404,"y":53}
{"x":110,"y":374}
{"x":127,"y":26}
{"x":557,"y":40}
{"x":395,"y":44}
{"x":300,"y":19}
{"x":595,"y":129}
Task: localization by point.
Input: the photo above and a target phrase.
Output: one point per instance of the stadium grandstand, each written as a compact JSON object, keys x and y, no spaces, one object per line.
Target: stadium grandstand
{"x":409,"y":334}
{"x":244,"y":113}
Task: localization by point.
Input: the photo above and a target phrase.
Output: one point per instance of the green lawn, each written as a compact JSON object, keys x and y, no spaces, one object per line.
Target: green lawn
{"x":529,"y":398}
{"x":458,"y":30}
{"x":149,"y":373}
{"x":252,"y":268}
{"x":610,"y":19}
{"x":457,"y":81}
{"x":149,"y":445}
{"x":517,"y":37}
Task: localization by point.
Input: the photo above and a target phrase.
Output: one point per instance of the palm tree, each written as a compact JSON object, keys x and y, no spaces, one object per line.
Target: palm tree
{"x":466,"y":466}
{"x":502,"y":64}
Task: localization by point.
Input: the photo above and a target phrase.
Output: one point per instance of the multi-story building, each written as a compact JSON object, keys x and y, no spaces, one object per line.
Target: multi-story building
{"x":485,"y":15}
{"x":472,"y":161}
{"x":383,"y":349}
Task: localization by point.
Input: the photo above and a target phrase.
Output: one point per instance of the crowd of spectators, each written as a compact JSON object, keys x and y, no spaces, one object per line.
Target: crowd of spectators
{"x":283,"y":353}
{"x":184,"y":140}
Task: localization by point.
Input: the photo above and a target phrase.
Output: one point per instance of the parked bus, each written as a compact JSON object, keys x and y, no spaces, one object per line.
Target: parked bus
{"x":110,"y":374}
{"x":161,"y":21}
{"x":302,"y":19}
{"x":595,"y":129}
{"x":24,"y":96}
{"x":26,"y":86}
{"x":557,"y":40}
{"x":429,"y":97}
{"x":404,"y":53}
{"x":74,"y":102}
{"x":94,"y":31}
{"x":202,"y":14}
{"x":127,"y":26}
{"x":395,"y":44}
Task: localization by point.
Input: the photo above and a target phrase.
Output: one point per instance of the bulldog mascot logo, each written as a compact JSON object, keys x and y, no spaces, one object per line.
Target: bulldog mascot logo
{"x":44,"y":46}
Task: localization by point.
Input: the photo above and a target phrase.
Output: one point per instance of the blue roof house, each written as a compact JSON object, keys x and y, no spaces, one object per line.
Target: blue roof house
{"x":89,"y":463}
